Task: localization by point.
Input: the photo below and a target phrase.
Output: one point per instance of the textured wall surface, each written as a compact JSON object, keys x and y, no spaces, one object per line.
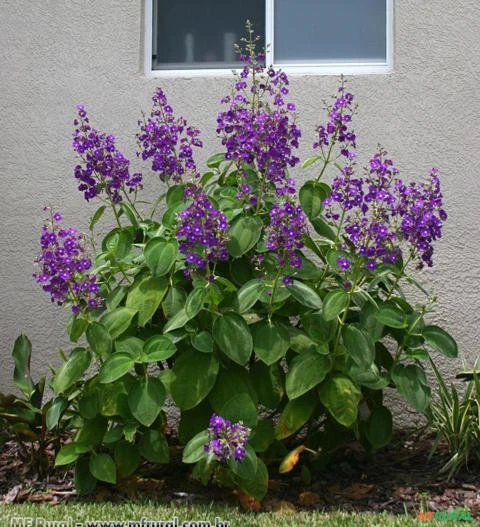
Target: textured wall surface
{"x":57,"y":53}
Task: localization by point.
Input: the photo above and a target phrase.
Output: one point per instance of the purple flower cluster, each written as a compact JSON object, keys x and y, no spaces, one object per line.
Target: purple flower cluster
{"x":226,"y":440}
{"x":258,"y":126}
{"x":168,"y":141}
{"x":422,"y":213}
{"x":201,"y":231}
{"x":380,"y":211}
{"x":336,"y":130}
{"x":103,"y":166}
{"x":64,"y":267}
{"x":288,"y":224}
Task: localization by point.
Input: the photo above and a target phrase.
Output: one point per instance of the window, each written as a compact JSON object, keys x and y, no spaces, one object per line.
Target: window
{"x":196,"y":37}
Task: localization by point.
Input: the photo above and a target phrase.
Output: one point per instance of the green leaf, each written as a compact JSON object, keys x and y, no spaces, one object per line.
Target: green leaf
{"x":115,"y":367}
{"x":70,"y":453}
{"x":176,"y":322}
{"x":215,"y":160}
{"x":115,"y":297}
{"x":175,"y":195}
{"x":195,"y":301}
{"x":118,"y":321}
{"x":22,"y":353}
{"x":323,"y":228}
{"x":194,"y":376}
{"x":72,"y":370}
{"x":174,"y":301}
{"x":391,"y":316}
{"x":305,"y":295}
{"x":270,"y":341}
{"x":132,"y":346}
{"x":378,"y":427}
{"x":92,"y":432}
{"x":243,"y":235}
{"x":305,"y":372}
{"x":334,"y":303}
{"x":240,"y":408}
{"x":246,"y":469}
{"x":269,"y":383}
{"x":311,"y":196}
{"x":54,"y":413}
{"x":160,"y":255}
{"x":262,"y":436}
{"x":233,"y":337}
{"x":85,"y":483}
{"x":310,"y":161}
{"x":158,"y":347}
{"x":249,"y":294}
{"x":99,"y":340}
{"x":341,"y":397}
{"x":118,"y":242}
{"x":412,"y":384}
{"x":102,"y":467}
{"x":440,"y":341}
{"x":146,"y":296}
{"x":130,"y":213}
{"x":76,"y":327}
{"x":146,"y":399}
{"x":112,"y":399}
{"x":231,"y":381}
{"x":360,"y":345}
{"x":257,"y":486}
{"x":193,"y":421}
{"x":295,"y":414}
{"x":127,"y":458}
{"x":203,"y":342}
{"x":194,"y":450}
{"x":319,"y":329}
{"x":96,"y":217}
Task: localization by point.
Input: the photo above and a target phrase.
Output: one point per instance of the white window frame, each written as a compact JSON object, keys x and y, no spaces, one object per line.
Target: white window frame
{"x":331,"y":68}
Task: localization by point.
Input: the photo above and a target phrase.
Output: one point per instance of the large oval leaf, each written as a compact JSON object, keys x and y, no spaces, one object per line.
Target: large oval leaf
{"x":154,"y":447}
{"x":158,"y":347}
{"x":249,"y":294}
{"x":72,"y":370}
{"x":194,"y":376}
{"x":160,"y":255}
{"x":103,"y":468}
{"x":195,"y":301}
{"x":305,"y":372}
{"x":440,"y":341}
{"x":412,"y":383}
{"x":341,"y":398}
{"x":305,"y":295}
{"x":243,"y":235}
{"x":378,"y":427}
{"x":360,"y":346}
{"x":240,"y":408}
{"x":271,"y":341}
{"x":334,"y":303}
{"x":146,"y":296}
{"x":118,"y":320}
{"x":311,"y":196}
{"x":115,"y":367}
{"x":233,"y":337}
{"x":319,"y":329}
{"x":392,"y":316}
{"x":146,"y":399}
{"x":295,"y":414}
{"x":195,"y":449}
{"x":99,"y":339}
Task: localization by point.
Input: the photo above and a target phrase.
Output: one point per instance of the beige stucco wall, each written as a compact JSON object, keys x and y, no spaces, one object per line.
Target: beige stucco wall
{"x":56,"y":53}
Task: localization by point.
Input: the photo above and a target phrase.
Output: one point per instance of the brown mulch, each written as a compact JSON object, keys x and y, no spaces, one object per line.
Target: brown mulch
{"x":399,"y":478}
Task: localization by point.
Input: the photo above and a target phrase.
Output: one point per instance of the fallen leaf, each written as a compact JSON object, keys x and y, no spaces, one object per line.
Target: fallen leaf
{"x":284,"y":506}
{"x":12,"y":494}
{"x":308,"y":498}
{"x":248,"y":503}
{"x":291,"y":459}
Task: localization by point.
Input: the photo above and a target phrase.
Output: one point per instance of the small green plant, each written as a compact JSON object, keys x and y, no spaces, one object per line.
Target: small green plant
{"x":455,"y":418}
{"x":26,"y":418}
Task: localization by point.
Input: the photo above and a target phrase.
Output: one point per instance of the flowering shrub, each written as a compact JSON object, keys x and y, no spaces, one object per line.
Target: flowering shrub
{"x":270,"y":320}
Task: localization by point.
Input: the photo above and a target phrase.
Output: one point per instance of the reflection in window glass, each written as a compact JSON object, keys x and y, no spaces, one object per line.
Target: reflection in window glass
{"x":322,"y":31}
{"x":190,"y":34}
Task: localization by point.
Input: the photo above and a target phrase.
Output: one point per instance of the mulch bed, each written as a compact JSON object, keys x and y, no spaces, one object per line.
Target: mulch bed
{"x":400,"y":478}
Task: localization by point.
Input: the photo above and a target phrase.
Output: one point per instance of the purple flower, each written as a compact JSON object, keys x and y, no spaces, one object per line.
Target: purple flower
{"x":226,"y":440}
{"x":168,"y":141}
{"x":344,"y":263}
{"x":258,"y":127}
{"x":103,"y":167}
{"x":64,"y":265}
{"x":201,"y":231}
{"x":336,"y":130}
{"x":288,"y":224}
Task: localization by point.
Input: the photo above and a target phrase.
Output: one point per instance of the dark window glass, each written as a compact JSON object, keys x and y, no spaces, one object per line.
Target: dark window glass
{"x":189,"y":34}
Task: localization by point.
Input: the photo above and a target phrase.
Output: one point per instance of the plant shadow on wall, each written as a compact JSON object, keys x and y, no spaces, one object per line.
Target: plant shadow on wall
{"x":268,"y":319}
